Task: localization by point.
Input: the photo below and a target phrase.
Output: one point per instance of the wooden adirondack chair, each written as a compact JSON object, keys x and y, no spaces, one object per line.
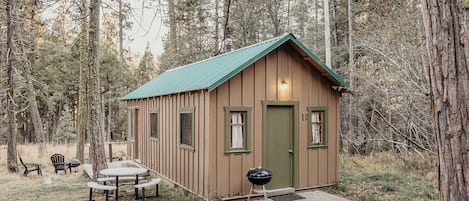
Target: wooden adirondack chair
{"x":58,"y":162}
{"x":30,"y":167}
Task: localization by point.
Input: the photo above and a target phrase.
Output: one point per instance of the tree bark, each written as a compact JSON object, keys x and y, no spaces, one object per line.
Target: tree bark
{"x":121,"y":37}
{"x":351,"y":66}
{"x":96,"y":129}
{"x":447,"y":32}
{"x":11,"y":156}
{"x":226,"y":13}
{"x":82,"y":120}
{"x":216,"y":45}
{"x":36,"y":117}
{"x":327,"y":33}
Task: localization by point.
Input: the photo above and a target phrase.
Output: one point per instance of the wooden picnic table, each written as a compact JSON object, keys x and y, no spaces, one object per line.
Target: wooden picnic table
{"x":117,"y":172}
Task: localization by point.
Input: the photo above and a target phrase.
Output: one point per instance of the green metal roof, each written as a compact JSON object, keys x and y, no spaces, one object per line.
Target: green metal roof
{"x":212,"y":72}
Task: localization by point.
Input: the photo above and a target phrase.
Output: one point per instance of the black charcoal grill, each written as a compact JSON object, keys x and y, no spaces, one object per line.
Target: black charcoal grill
{"x":259,"y":177}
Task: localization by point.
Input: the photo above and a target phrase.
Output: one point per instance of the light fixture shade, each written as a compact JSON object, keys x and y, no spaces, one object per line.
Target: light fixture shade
{"x":283,"y":85}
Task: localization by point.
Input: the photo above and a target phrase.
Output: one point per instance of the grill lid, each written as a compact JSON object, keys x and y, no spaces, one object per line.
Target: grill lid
{"x":259,"y":175}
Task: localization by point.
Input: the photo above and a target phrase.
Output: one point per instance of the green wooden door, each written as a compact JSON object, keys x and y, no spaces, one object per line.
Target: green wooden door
{"x":279,"y":146}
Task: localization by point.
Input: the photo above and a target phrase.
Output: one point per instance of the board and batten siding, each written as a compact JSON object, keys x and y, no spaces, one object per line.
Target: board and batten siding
{"x":188,"y":168}
{"x":259,"y":82}
{"x":209,"y":171}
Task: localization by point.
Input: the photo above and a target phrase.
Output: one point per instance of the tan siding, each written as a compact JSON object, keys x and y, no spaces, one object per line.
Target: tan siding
{"x":302,"y":86}
{"x":195,"y":157}
{"x":235,"y":89}
{"x":323,"y":169}
{"x":178,"y":166}
{"x":284,"y":72}
{"x":204,"y":169}
{"x":248,"y":101}
{"x":213,"y":140}
{"x":259,"y":95}
{"x":332,"y":139}
{"x":183,"y":166}
{"x":223,"y":180}
{"x":271,"y":82}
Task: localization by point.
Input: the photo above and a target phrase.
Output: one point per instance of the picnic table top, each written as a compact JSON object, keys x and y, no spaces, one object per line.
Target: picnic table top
{"x":123,"y":171}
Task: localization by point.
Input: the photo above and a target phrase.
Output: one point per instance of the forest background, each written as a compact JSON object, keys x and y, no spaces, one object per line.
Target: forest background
{"x":378,"y":47}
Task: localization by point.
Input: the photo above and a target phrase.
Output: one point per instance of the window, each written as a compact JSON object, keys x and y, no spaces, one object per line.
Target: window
{"x":317,"y":134}
{"x":131,"y":122}
{"x":154,"y":125}
{"x":237,"y":129}
{"x":186,"y":128}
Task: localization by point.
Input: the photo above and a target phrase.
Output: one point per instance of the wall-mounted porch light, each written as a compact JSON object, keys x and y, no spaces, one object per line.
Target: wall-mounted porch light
{"x":283,"y":85}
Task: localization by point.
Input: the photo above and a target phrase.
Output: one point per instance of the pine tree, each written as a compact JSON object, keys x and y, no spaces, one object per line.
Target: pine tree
{"x":95,"y":125}
{"x":11,"y":158}
{"x":146,"y":68}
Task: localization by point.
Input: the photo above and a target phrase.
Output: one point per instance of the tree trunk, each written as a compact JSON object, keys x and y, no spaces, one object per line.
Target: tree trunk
{"x":121,"y":37}
{"x":447,"y":32}
{"x":172,"y":27}
{"x":351,"y":66}
{"x":226,"y":13}
{"x":98,"y":157}
{"x":36,"y":118}
{"x":327,"y":33}
{"x":334,"y":30}
{"x":11,"y":158}
{"x":83,"y":88}
{"x":216,"y":45}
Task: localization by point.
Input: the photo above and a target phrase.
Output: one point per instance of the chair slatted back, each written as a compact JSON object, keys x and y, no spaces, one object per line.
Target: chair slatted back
{"x":58,"y":161}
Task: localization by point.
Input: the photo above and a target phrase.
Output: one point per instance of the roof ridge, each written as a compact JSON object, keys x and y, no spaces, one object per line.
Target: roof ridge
{"x":230,"y":52}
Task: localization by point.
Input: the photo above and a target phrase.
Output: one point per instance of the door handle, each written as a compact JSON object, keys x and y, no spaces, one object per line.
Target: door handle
{"x":290,"y":151}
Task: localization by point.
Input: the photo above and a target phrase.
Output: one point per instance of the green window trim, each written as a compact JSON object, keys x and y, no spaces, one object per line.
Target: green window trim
{"x":154,"y":111}
{"x":324,"y":133}
{"x":186,"y":110}
{"x":246,"y":111}
{"x":131,"y":112}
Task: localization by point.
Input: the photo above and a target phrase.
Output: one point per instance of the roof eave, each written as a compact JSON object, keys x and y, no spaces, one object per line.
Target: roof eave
{"x":250,"y":61}
{"x":345,"y":88}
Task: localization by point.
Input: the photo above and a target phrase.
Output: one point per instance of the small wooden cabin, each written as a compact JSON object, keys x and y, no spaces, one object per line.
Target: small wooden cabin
{"x":272,"y":104}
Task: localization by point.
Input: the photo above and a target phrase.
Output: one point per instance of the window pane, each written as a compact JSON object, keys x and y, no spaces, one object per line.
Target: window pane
{"x":154,"y":125}
{"x":186,"y":128}
{"x":130,"y":123}
{"x":316,"y":127}
{"x":237,"y":124}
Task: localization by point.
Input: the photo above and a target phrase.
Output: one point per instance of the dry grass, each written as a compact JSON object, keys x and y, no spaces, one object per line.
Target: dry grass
{"x":386,"y":176}
{"x":51,"y":186}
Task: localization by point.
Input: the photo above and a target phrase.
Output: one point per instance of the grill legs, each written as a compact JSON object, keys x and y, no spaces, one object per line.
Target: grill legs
{"x":263,"y":190}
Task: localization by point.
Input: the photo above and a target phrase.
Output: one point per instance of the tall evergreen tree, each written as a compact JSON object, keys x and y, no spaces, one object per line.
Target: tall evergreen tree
{"x":96,"y":127}
{"x":146,"y":68}
{"x":36,"y":117}
{"x":82,"y":120}
{"x":11,"y":158}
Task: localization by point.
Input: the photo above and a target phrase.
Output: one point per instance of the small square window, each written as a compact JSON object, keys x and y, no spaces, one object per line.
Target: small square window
{"x":237,"y":129}
{"x":317,"y":134}
{"x":154,"y":125}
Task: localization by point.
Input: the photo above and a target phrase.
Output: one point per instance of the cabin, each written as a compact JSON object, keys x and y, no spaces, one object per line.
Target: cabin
{"x":273,"y":104}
